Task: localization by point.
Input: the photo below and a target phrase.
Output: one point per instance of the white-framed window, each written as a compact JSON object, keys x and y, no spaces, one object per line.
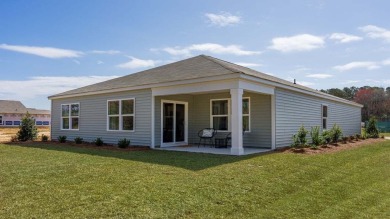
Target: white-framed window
{"x":246,"y":114}
{"x":1,"y":120}
{"x":121,"y":115}
{"x":70,"y":116}
{"x":324,"y":114}
{"x":220,"y":114}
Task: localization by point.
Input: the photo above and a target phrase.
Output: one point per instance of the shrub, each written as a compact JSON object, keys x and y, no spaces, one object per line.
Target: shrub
{"x":372,"y":130}
{"x":78,"y":140}
{"x":364,"y":134}
{"x":44,"y":137}
{"x":345,"y":139}
{"x":358,"y":136}
{"x":61,"y":138}
{"x":382,"y":136}
{"x":27,"y":129}
{"x":335,"y":133}
{"x":315,"y":136}
{"x":351,"y":138}
{"x":299,"y":140}
{"x":98,"y":142}
{"x":123,"y":143}
{"x":326,"y":136}
{"x":296,"y":142}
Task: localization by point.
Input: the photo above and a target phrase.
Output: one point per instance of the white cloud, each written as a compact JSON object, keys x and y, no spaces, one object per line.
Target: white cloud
{"x":211,"y":48}
{"x":319,"y":76}
{"x":45,"y":86}
{"x":223,"y":19}
{"x":351,"y":82}
{"x":386,"y":62}
{"x":376,"y":32}
{"x":137,"y":63}
{"x":248,"y":64}
{"x":302,"y":42}
{"x":47,"y":52}
{"x":76,"y":61}
{"x":106,"y":52}
{"x":354,"y":65}
{"x":344,"y":38}
{"x":99,"y":62}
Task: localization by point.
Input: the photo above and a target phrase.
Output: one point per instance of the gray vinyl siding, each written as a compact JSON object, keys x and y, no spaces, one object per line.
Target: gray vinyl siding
{"x":93,"y":118}
{"x":294,"y":109}
{"x":199,"y":117}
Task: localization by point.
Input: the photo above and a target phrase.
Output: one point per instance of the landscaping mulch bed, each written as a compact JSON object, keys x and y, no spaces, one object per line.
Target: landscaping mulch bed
{"x":331,"y":148}
{"x":84,"y":145}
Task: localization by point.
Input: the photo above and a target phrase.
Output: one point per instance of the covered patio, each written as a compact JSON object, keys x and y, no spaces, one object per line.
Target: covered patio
{"x":213,"y":150}
{"x":180,"y":111}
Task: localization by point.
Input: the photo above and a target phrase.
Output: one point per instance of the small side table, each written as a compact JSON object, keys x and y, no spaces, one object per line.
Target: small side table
{"x":220,"y":142}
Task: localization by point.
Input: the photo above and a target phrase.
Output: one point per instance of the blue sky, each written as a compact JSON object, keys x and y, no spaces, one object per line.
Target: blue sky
{"x":47,"y":47}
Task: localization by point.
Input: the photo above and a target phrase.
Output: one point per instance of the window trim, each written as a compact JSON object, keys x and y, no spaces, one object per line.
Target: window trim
{"x":212,"y":116}
{"x":249,"y":114}
{"x":70,"y":117}
{"x":120,"y":116}
{"x":322,"y":116}
{"x":229,"y":114}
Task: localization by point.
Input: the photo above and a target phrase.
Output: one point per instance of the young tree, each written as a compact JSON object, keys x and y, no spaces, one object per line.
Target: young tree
{"x":27,"y":130}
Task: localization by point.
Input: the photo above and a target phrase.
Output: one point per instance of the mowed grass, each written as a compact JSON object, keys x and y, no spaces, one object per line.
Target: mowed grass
{"x":38,"y":181}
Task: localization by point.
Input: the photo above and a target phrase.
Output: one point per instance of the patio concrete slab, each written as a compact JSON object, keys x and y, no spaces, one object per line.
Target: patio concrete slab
{"x":210,"y":150}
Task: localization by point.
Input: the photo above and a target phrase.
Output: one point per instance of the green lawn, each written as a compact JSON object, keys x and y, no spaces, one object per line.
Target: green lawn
{"x":386,"y":134}
{"x":65,"y":181}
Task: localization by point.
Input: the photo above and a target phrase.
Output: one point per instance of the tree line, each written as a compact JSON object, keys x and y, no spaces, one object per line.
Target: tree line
{"x":375,"y":100}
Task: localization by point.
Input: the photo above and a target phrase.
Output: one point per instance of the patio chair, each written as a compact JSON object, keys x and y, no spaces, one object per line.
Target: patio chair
{"x":206,"y":134}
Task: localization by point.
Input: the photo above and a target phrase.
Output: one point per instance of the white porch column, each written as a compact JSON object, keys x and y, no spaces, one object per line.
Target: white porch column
{"x":152,"y":143}
{"x":236,"y":122}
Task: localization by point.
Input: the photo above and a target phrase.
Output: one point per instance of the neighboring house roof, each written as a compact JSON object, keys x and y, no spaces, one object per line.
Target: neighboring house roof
{"x":13,"y":106}
{"x":193,"y":68}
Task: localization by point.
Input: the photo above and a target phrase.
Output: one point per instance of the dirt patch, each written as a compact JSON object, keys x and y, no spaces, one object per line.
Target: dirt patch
{"x":6,"y":133}
{"x":331,"y":148}
{"x":83,"y":145}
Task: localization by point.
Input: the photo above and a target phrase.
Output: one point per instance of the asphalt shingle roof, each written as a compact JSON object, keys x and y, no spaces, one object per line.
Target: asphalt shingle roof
{"x":196,"y":67}
{"x":13,"y":106}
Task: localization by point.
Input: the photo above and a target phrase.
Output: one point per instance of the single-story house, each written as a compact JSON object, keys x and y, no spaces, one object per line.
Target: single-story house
{"x":11,"y":113}
{"x":166,"y":106}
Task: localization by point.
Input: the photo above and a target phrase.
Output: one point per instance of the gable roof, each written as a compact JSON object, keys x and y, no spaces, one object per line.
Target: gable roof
{"x":201,"y":66}
{"x":14,"y":106}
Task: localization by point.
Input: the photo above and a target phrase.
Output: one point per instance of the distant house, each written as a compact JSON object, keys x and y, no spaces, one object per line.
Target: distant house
{"x":167,"y":106}
{"x":11,"y":113}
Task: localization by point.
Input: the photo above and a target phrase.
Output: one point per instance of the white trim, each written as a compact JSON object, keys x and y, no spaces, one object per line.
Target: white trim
{"x":322,"y":116}
{"x":273,"y":122}
{"x":70,"y":117}
{"x":152,"y":131}
{"x":174,"y":143}
{"x":225,"y":115}
{"x":120,"y":115}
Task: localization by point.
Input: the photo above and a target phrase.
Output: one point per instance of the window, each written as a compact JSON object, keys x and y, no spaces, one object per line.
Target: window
{"x":324,"y":116}
{"x":70,"y":116}
{"x":120,"y":115}
{"x":220,"y":114}
{"x":220,"y":111}
{"x":1,"y":120}
{"x":246,"y":114}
